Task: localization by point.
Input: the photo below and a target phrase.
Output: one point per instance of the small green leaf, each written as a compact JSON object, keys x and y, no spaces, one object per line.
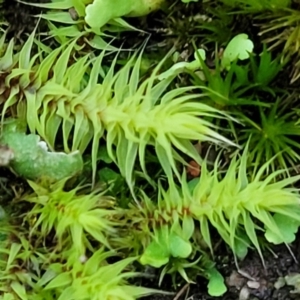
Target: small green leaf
{"x":178,"y":246}
{"x":63,"y":279}
{"x":13,"y":252}
{"x":200,"y":53}
{"x":288,"y":228}
{"x":192,"y":184}
{"x":241,"y":248}
{"x":174,"y":70}
{"x":108,"y":175}
{"x":238,"y":48}
{"x":19,"y":290}
{"x":103,"y":155}
{"x":155,"y":255}
{"x":216,"y":286}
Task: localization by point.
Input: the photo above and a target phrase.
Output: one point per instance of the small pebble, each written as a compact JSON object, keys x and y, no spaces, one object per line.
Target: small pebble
{"x":253,"y":284}
{"x":244,"y":293}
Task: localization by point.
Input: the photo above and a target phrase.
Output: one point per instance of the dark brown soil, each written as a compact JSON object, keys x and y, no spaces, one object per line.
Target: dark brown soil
{"x":22,"y":18}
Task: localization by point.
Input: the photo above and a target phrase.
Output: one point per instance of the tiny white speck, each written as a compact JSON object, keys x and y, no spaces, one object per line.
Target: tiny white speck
{"x":43,"y":145}
{"x":83,"y":258}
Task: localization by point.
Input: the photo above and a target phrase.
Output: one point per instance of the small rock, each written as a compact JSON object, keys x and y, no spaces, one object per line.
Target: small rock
{"x":244,"y":293}
{"x":253,"y":284}
{"x":235,"y":280}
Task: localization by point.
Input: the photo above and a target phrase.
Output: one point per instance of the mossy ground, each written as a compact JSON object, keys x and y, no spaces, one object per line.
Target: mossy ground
{"x":164,"y":29}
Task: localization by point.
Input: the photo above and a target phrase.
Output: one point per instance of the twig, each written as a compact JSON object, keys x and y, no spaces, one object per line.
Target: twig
{"x":183,"y":289}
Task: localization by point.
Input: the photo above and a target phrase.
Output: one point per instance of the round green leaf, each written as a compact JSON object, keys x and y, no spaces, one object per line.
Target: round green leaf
{"x":238,"y":48}
{"x":216,"y":285}
{"x":179,"y":247}
{"x":155,"y":255}
{"x":288,"y":227}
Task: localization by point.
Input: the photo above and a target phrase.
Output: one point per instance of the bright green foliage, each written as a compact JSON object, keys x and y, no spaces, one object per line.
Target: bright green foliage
{"x":131,"y":114}
{"x":224,"y":88}
{"x":21,"y":263}
{"x":78,"y":277}
{"x":75,"y":218}
{"x":16,"y":69}
{"x":216,"y":285}
{"x":231,"y":203}
{"x":76,"y":101}
{"x":279,"y":27}
{"x":273,"y":134}
{"x":93,"y":279}
{"x":32,"y":267}
{"x":264,"y":70}
{"x":239,"y":48}
{"x":237,"y":84}
{"x":180,"y":67}
{"x":163,"y":234}
{"x":167,"y":243}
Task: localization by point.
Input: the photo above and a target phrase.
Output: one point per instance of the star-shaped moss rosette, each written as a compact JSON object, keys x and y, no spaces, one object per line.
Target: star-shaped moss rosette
{"x":94,"y":279}
{"x":31,"y":272}
{"x":77,"y":219}
{"x":274,"y":132}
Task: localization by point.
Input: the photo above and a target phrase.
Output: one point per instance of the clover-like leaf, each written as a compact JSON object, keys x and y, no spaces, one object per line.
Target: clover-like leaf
{"x":238,"y":48}
{"x":216,"y":285}
{"x":288,"y":228}
{"x":178,"y":246}
{"x":155,"y":255}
